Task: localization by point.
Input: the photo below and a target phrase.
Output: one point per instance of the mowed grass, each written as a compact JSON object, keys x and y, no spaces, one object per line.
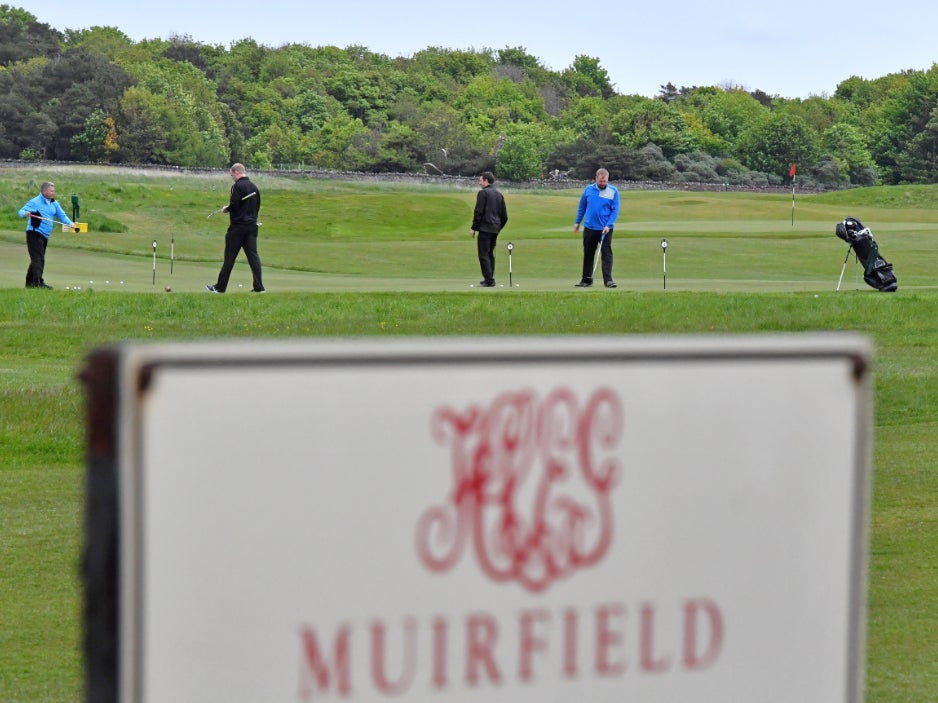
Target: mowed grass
{"x":341,"y":235}
{"x":347,"y":259}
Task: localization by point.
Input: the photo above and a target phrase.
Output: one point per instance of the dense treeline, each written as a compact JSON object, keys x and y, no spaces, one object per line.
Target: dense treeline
{"x":96,"y":96}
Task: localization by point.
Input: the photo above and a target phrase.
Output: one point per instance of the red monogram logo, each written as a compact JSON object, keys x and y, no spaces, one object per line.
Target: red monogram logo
{"x":531,"y":486}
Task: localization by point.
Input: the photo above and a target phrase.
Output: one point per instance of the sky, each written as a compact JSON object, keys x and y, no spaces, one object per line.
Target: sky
{"x":789,"y":48}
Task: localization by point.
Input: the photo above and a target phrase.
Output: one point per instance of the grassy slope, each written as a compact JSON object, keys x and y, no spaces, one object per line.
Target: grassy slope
{"x":45,"y":336}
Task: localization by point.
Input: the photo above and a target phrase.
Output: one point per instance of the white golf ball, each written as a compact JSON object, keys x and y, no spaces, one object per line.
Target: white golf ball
{"x":501,"y":285}
{"x":240,"y":285}
{"x":517,"y":285}
{"x":122,"y":283}
{"x":472,"y":285}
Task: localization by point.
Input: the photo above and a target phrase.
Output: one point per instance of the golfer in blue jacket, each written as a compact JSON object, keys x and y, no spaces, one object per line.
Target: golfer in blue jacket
{"x":599,"y":208}
{"x":41,"y":211}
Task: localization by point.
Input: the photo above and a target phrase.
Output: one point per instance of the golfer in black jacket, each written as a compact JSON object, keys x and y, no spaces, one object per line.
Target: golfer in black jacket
{"x":488,"y":219}
{"x":242,"y":209}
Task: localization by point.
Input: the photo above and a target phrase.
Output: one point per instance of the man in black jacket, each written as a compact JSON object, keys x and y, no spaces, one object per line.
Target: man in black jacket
{"x":488,"y":219}
{"x":242,"y":208}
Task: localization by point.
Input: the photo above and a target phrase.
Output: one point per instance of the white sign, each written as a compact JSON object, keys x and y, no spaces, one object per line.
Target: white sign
{"x":499,"y":520}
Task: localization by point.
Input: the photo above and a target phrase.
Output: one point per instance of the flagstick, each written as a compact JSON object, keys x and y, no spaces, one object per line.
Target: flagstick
{"x":793,"y":201}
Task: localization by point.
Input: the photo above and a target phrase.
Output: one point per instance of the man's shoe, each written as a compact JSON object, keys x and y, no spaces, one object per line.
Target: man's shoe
{"x":212,"y":289}
{"x":610,"y":284}
{"x":45,"y":285}
{"x":486,"y":284}
{"x":583,"y":284}
{"x":262,"y":290}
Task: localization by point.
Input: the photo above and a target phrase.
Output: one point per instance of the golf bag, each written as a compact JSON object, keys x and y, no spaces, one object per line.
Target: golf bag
{"x":877,"y":272}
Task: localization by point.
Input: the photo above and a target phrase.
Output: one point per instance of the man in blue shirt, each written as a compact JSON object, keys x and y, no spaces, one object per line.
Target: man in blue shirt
{"x":42,"y":211}
{"x":599,"y":207}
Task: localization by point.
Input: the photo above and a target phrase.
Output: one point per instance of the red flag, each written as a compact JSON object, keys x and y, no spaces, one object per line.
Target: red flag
{"x":792,"y":172}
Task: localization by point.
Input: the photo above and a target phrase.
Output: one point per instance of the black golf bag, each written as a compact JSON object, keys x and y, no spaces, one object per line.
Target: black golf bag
{"x":877,"y":272}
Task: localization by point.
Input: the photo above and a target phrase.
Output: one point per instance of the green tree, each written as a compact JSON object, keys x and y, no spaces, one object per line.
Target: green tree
{"x":341,"y":144}
{"x":490,"y":104}
{"x":668,"y":93}
{"x":187,"y":110}
{"x":22,"y":126}
{"x":82,"y":83}
{"x":819,"y":113}
{"x":280,"y":145}
{"x":23,"y":37}
{"x":727,"y":113}
{"x":108,"y":42}
{"x":358,"y":93}
{"x":518,"y":56}
{"x":144,"y":134}
{"x":637,"y":121}
{"x":184,"y":48}
{"x":587,"y":117}
{"x":701,"y":135}
{"x":923,"y":151}
{"x":900,"y":136}
{"x":312,"y":110}
{"x":587,"y":77}
{"x":395,"y":152}
{"x":458,"y":66}
{"x":40,"y":93}
{"x":523,"y":152}
{"x":242,"y":63}
{"x":438,"y":134}
{"x":846,"y":143}
{"x":89,"y":144}
{"x":773,"y":143}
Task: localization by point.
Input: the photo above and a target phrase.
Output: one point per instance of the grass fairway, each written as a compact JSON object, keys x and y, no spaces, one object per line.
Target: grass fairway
{"x":334,"y":235}
{"x":370,"y":260}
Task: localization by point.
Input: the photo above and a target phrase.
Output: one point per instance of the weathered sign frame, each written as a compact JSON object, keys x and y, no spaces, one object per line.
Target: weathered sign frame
{"x":713,"y":472}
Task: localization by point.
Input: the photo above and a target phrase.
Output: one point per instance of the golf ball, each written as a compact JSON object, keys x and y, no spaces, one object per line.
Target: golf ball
{"x":501,"y":285}
{"x":472,"y":285}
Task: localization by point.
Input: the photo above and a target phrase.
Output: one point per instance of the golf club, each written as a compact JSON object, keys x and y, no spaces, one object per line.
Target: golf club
{"x":599,"y":249}
{"x":222,"y":208}
{"x":154,"y":262}
{"x":664,"y":262}
{"x":172,"y":252}
{"x":47,"y":219}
